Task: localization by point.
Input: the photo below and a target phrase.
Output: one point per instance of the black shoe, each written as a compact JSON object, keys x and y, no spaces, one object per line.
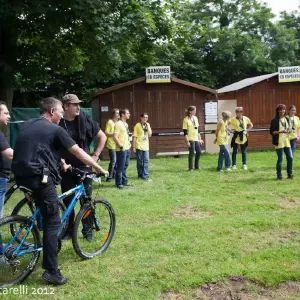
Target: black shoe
{"x":57,"y":278}
{"x":88,"y":235}
{"x":67,"y":236}
{"x":120,"y":187}
{"x":109,"y":179}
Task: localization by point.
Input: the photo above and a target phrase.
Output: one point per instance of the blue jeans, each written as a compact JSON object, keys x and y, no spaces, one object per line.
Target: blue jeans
{"x":224,"y":153}
{"x":142,"y":163}
{"x":234,"y":152}
{"x":293,"y":145}
{"x":123,"y":158}
{"x":112,"y":163}
{"x":195,"y":147}
{"x":289,"y":159}
{"x":3,"y":186}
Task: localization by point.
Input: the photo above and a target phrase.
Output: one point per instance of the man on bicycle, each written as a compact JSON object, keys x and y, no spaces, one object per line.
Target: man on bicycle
{"x":82,"y":130}
{"x":36,"y":166}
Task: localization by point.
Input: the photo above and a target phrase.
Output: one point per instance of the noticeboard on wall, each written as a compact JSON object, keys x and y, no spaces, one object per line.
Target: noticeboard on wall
{"x":211,"y":112}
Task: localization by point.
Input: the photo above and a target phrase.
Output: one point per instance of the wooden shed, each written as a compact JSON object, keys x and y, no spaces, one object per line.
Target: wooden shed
{"x":164,"y":102}
{"x":259,"y":97}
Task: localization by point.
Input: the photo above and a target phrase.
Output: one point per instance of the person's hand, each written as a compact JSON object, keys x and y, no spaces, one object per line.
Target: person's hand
{"x":134,"y":150}
{"x":106,"y":174}
{"x":201,"y":142}
{"x":215,"y":141}
{"x":95,"y":157}
{"x":188,"y":144}
{"x":298,"y":138}
{"x":65,"y":167}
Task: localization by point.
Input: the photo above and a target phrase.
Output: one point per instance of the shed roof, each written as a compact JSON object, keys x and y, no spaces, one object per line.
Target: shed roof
{"x":141,"y":79}
{"x":244,"y":83}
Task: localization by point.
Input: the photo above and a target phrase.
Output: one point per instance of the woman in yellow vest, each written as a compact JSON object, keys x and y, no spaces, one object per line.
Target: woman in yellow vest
{"x":192,"y":136}
{"x":295,"y":126}
{"x":222,"y":134}
{"x":140,"y":145}
{"x":280,"y":130}
{"x":241,"y":126}
{"x":110,"y":144}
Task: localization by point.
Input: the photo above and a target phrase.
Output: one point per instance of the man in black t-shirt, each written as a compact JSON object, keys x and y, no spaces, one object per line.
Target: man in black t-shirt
{"x":37,"y":152}
{"x":82,"y":130}
{"x":6,"y":155}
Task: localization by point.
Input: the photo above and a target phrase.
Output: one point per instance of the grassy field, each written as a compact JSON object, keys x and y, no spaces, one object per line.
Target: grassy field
{"x":185,"y":229}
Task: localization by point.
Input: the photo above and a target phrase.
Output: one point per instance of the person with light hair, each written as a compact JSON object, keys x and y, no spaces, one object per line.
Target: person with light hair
{"x":295,"y":125}
{"x":241,"y":125}
{"x":222,"y":134}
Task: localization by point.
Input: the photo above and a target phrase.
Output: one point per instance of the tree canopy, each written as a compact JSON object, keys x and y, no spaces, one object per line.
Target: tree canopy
{"x":50,"y":47}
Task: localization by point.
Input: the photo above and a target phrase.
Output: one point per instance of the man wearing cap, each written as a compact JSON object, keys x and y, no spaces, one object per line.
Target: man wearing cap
{"x":82,"y":130}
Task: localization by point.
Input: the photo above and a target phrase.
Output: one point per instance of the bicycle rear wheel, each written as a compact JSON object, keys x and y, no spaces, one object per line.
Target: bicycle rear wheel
{"x":15,"y":267}
{"x":97,"y":221}
{"x":26,"y":208}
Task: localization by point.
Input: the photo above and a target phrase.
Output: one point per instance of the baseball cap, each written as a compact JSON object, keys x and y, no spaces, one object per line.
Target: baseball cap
{"x":70,"y":98}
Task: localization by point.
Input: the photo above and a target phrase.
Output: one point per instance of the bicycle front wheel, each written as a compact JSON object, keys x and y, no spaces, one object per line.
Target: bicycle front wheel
{"x":16,"y":265}
{"x":94,"y":228}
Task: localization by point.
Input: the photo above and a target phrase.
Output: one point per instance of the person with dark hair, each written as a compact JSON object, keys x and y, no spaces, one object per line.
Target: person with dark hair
{"x":192,"y":137}
{"x":222,"y":133}
{"x":82,"y":130}
{"x":6,"y":155}
{"x":140,"y":145}
{"x":110,"y":144}
{"x":36,"y":165}
{"x":280,"y":130}
{"x":241,"y":125}
{"x":295,"y":124}
{"x":123,"y":145}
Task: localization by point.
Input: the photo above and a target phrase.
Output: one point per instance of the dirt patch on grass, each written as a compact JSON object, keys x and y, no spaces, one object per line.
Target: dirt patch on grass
{"x":238,"y":288}
{"x":289,"y":202}
{"x":190,"y":212}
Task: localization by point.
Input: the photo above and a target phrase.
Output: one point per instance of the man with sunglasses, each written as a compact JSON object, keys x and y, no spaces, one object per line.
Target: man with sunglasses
{"x":241,"y":126}
{"x":82,"y":130}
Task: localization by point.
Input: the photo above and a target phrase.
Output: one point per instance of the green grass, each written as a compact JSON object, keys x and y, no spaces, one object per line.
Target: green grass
{"x":188,"y":228}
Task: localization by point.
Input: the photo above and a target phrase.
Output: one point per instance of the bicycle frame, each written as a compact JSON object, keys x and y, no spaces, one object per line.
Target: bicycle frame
{"x":78,"y":191}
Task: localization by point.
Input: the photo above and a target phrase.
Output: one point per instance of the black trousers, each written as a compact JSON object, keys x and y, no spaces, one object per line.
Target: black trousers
{"x":47,"y":200}
{"x":69,"y":181}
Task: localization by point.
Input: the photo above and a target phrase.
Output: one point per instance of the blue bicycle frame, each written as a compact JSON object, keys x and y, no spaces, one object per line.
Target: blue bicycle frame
{"x":23,"y":249}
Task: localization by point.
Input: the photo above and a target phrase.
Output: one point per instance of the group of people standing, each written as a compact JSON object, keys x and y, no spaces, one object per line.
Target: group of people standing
{"x":284,"y":128}
{"x":119,"y":145}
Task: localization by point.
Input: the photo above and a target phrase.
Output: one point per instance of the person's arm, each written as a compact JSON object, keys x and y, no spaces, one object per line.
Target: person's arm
{"x":8,"y":153}
{"x":249,"y":126}
{"x":200,"y":140}
{"x":85,"y":158}
{"x":116,"y":139}
{"x":108,"y":130}
{"x":149,"y":130}
{"x":217,"y":131}
{"x":100,"y":145}
{"x":185,"y":132}
{"x":133,"y":144}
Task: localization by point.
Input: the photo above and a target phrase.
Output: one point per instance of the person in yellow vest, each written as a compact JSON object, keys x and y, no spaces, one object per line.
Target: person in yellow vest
{"x":140,"y":145}
{"x":222,"y":135}
{"x":280,"y":130}
{"x":111,"y":145}
{"x":192,"y":137}
{"x":123,"y":145}
{"x":241,"y":126}
{"x":295,"y":125}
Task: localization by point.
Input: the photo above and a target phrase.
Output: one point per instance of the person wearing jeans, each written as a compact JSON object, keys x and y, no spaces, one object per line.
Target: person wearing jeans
{"x":111,"y":145}
{"x":241,"y":126}
{"x":141,"y":133}
{"x":192,"y":137}
{"x":222,"y":140}
{"x":280,"y":129}
{"x":295,"y":125}
{"x":123,"y":145}
{"x":6,"y":155}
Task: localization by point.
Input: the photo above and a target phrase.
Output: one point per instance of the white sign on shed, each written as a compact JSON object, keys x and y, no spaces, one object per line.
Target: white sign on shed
{"x":289,"y":74}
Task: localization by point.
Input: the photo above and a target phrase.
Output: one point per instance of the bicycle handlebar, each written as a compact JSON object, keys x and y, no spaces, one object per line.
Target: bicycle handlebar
{"x":84,"y":173}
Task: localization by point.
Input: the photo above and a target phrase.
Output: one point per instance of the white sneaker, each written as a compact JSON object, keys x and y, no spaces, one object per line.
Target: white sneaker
{"x":234,"y":167}
{"x":228,"y":170}
{"x":245,"y":167}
